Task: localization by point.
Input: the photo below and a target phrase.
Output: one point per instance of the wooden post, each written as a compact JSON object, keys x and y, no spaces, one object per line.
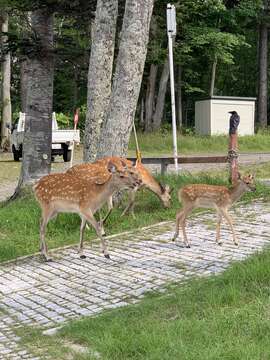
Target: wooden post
{"x":233,"y":147}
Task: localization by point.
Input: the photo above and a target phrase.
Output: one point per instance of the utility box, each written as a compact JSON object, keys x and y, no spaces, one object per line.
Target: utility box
{"x":212,"y":115}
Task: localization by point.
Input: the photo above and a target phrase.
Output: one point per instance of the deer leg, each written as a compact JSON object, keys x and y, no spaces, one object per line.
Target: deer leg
{"x":110,"y":207}
{"x":183,"y":225}
{"x":46,"y":216}
{"x":179,"y":216}
{"x":218,"y":241}
{"x":131,"y":203}
{"x":230,"y":222}
{"x":82,"y":228}
{"x":181,"y":221}
{"x":90,"y":218}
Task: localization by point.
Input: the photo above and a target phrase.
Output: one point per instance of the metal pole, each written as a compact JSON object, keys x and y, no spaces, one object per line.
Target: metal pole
{"x":175,"y":154}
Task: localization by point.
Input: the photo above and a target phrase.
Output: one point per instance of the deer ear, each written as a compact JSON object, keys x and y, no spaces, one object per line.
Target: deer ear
{"x":238,"y":176}
{"x":123,"y":163}
{"x":111,"y":167}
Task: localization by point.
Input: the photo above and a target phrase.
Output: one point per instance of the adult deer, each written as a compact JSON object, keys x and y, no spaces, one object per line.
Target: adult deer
{"x":67,"y":193}
{"x":211,"y":196}
{"x":148,"y":181}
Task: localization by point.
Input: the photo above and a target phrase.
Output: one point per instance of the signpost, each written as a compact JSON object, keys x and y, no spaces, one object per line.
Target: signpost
{"x":76,"y":120}
{"x":171,"y":31}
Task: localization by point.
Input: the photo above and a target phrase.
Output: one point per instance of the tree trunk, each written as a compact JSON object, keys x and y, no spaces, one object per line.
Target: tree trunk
{"x":128,"y":76}
{"x":142,"y":112}
{"x":75,"y":88}
{"x":38,"y":122}
{"x":6,"y":102}
{"x":213,"y":77}
{"x":262,"y":86}
{"x":23,"y":84}
{"x":150,"y":97}
{"x":100,"y":74}
{"x":157,"y":118}
{"x":179,"y":108}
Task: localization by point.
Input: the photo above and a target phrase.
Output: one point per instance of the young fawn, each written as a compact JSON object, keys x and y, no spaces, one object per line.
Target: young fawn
{"x":211,"y":196}
{"x":148,"y":181}
{"x":68,"y":193}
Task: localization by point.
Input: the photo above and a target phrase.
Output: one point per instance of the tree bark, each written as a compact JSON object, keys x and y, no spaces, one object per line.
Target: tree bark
{"x":142,"y":113}
{"x":6,"y":101}
{"x":100,"y":74}
{"x":157,"y":118}
{"x":213,"y":78}
{"x":150,"y":97}
{"x":128,"y":76}
{"x":262,"y":86}
{"x":179,"y":108}
{"x":23,"y":84}
{"x":38,"y":122}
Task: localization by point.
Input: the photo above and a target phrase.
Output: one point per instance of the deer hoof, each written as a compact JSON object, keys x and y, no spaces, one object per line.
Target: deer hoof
{"x":82,"y":257}
{"x":107,"y":256}
{"x":187,"y":246}
{"x":48,"y":259}
{"x":219,"y":243}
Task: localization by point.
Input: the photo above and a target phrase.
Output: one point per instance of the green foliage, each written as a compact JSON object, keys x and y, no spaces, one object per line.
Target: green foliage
{"x":161,"y":143}
{"x":63,"y":121}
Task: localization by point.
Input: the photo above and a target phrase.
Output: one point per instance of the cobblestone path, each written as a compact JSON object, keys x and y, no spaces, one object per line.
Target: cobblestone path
{"x":48,"y":294}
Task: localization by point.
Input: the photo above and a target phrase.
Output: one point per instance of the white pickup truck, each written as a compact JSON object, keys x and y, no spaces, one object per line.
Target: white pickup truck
{"x":62,"y":140}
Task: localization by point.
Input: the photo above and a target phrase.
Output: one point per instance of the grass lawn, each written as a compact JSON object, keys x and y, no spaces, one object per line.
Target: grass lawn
{"x":159,"y":143}
{"x":221,"y":317}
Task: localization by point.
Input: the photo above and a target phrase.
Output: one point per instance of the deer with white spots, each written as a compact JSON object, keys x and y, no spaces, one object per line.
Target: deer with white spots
{"x":148,"y":181}
{"x":211,"y":196}
{"x":68,"y":193}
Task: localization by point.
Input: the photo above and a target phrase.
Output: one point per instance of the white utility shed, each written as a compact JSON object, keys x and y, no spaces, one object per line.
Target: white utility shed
{"x":212,"y":115}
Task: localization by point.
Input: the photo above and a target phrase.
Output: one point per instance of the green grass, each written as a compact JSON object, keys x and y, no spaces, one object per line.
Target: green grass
{"x":221,"y":317}
{"x":19,"y":220}
{"x":159,"y":143}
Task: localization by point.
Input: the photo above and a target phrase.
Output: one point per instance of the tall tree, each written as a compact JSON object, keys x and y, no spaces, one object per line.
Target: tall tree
{"x":38,"y":122}
{"x":150,"y":97}
{"x":127,"y":80}
{"x":160,"y":103}
{"x":6,"y":73}
{"x":263,"y":68}
{"x":100,"y":73}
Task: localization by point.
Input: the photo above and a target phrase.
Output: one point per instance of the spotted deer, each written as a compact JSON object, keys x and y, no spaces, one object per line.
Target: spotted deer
{"x":68,"y":193}
{"x":211,"y":196}
{"x":148,"y":181}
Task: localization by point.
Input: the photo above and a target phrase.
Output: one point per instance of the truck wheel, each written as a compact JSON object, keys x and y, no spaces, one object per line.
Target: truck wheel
{"x":66,"y":154}
{"x":16,"y":153}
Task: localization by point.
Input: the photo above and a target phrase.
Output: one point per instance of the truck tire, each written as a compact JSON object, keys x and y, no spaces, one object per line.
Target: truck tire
{"x":16,"y":153}
{"x":66,"y":154}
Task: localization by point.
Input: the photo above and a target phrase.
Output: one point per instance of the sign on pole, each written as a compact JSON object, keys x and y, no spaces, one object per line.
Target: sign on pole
{"x":171,"y":31}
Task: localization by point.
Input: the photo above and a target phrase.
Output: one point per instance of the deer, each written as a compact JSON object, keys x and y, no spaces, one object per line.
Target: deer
{"x":220,"y":198}
{"x":148,"y":181}
{"x":65,"y":192}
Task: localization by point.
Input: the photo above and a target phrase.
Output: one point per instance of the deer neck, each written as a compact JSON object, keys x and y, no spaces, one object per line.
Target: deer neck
{"x":103,"y":192}
{"x":155,"y":187}
{"x":237,"y":191}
